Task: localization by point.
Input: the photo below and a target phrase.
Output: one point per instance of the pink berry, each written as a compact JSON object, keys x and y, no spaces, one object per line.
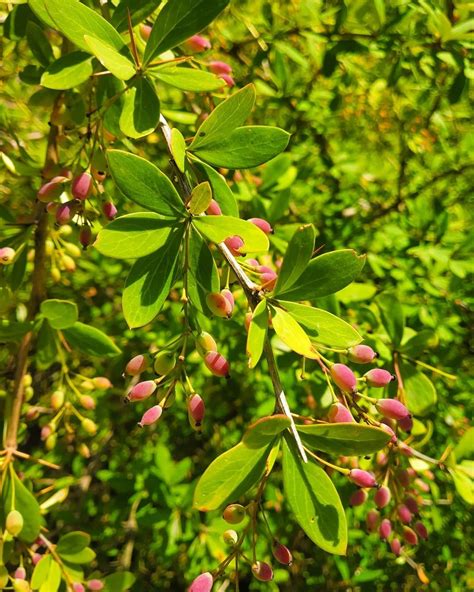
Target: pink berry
{"x":392,"y":408}
{"x":385,"y":529}
{"x":229,"y":296}
{"x":268,"y":277}
{"x":422,"y":486}
{"x":85,"y":236}
{"x":65,"y":212}
{"x":262,"y":571}
{"x":197,"y":43}
{"x":136,"y":365}
{"x":219,"y":304}
{"x":395,"y":547}
{"x":403,"y":477}
{"x":227,"y":78}
{"x":95,"y":585}
{"x":358,"y":498}
{"x":202,"y":583}
{"x":410,"y":535}
{"x":217,"y":364}
{"x":214,"y":209}
{"x":101,"y":382}
{"x":145,"y":31}
{"x":262,"y":224}
{"x":389,"y":430}
{"x":371,"y":520}
{"x":344,"y":378}
{"x":151,"y":416}
{"x":361,"y":354}
{"x":281,"y":553}
{"x":404,"y":514}
{"x":378,"y":377}
{"x":142,"y":390}
{"x":52,"y":189}
{"x":412,"y":505}
{"x":109,"y":210}
{"x":405,"y":449}
{"x":87,"y":402}
{"x":339,"y":413}
{"x":196,"y":409}
{"x":362,"y":478}
{"x":234,"y":244}
{"x":382,"y":497}
{"x":7,"y":254}
{"x":81,"y":186}
{"x":36,"y":558}
{"x":406,"y":424}
{"x":421,"y":530}
{"x":218,"y":67}
{"x":20,"y":573}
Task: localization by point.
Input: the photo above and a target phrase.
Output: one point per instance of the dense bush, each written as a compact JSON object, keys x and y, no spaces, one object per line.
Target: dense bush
{"x":206,"y":208}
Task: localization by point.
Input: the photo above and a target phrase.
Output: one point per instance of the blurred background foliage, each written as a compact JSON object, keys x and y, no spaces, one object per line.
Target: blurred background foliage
{"x":376,"y":97}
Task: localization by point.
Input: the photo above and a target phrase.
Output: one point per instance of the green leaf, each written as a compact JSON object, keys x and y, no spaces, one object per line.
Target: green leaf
{"x":203,"y":275}
{"x":68,"y":71}
{"x":298,"y":255}
{"x":465,"y":446}
{"x":464,"y":484}
{"x":140,"y":111}
{"x":120,"y":66}
{"x":220,"y":190}
{"x":79,"y":20}
{"x":134,"y":235}
{"x":325,"y":275}
{"x":23,"y":501}
{"x":13,"y":331}
{"x":90,"y":341}
{"x":60,"y":313}
{"x":39,"y":8}
{"x":419,"y":390}
{"x":179,"y":20}
{"x":322,"y":326}
{"x":187,"y":79}
{"x":39,"y":43}
{"x":79,"y":557}
{"x":345,"y":439}
{"x":245,"y":147}
{"x":201,"y":197}
{"x":218,"y":228}
{"x":47,"y":349}
{"x":178,"y":148}
{"x":315,"y":502}
{"x":229,"y":476}
{"x":149,"y":282}
{"x":53,"y":579}
{"x":258,"y":330}
{"x":263,"y":432}
{"x":139,"y":11}
{"x":420,"y":342}
{"x":120,"y":581}
{"x":392,"y":315}
{"x":144,"y":183}
{"x":41,"y":571}
{"x":227,"y":116}
{"x":73,"y":542}
{"x":291,"y":333}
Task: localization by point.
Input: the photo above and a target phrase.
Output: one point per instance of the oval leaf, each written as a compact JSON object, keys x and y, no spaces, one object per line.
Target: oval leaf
{"x":297,"y":256}
{"x":140,"y":111}
{"x":68,"y":71}
{"x":60,"y":313}
{"x":343,"y":438}
{"x":90,"y":341}
{"x":263,"y":431}
{"x":419,"y":390}
{"x":257,"y":333}
{"x":23,"y":501}
{"x":188,"y":79}
{"x":120,"y":66}
{"x":218,"y":228}
{"x":200,"y":200}
{"x":291,"y":333}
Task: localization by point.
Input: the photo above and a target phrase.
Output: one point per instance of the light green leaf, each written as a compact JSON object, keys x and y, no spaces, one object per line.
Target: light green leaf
{"x":41,"y":571}
{"x":53,"y":580}
{"x":120,"y":66}
{"x":263,"y":432}
{"x":218,"y":228}
{"x":178,"y":148}
{"x":220,"y":190}
{"x":464,"y":484}
{"x":392,"y":315}
{"x":291,"y":333}
{"x":140,"y":111}
{"x":203,"y":275}
{"x":187,"y":79}
{"x":68,"y":71}
{"x":120,"y":581}
{"x":419,"y":390}
{"x":90,"y":341}
{"x":245,"y":147}
{"x":73,"y":542}
{"x":79,"y":557}
{"x":60,"y":313}
{"x":144,"y":183}
{"x":298,"y":255}
{"x":322,"y":326}
{"x":465,"y":446}
{"x":134,"y":235}
{"x":325,"y":275}
{"x":257,"y":333}
{"x":149,"y":282}
{"x":227,"y":116}
{"x":201,"y":197}
{"x":24,"y":502}
{"x":179,"y":20}
{"x":229,"y":476}
{"x":315,"y":502}
{"x":345,"y":439}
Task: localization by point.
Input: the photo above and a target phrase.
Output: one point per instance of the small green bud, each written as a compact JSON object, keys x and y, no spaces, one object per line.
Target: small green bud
{"x":164,"y":362}
{"x":14,"y":522}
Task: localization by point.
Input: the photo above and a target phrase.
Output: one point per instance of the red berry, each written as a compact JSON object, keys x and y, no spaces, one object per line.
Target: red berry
{"x":412,"y":505}
{"x":219,"y":305}
{"x":385,"y":529}
{"x":197,"y":43}
{"x":362,"y":478}
{"x":203,"y":583}
{"x":214,"y":209}
{"x":145,"y":31}
{"x":262,"y":571}
{"x":281,"y":553}
{"x":136,"y":365}
{"x":235,"y":244}
{"x":95,"y":585}
{"x":406,"y":423}
{"x":234,"y":513}
{"x":421,"y":530}
{"x":7,"y":254}
{"x":262,"y":224}
{"x":410,"y":535}
{"x":358,"y":498}
{"x":217,"y":364}
{"x":382,"y":497}
{"x":344,"y":377}
{"x":109,"y":210}
{"x":227,"y":78}
{"x":218,"y":67}
{"x":372,"y":520}
{"x":85,"y":236}
{"x":404,"y":514}
{"x":339,"y":413}
{"x":395,"y":547}
{"x":81,"y":186}
{"x":196,"y":409}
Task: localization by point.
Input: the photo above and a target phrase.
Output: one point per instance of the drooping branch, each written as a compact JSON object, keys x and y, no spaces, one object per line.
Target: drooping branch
{"x":253,"y":297}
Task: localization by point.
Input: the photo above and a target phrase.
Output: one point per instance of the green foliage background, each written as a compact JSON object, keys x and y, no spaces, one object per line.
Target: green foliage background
{"x":376,"y":97}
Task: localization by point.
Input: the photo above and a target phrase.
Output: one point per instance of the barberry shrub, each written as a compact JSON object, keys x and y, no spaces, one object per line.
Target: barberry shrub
{"x":146,"y":128}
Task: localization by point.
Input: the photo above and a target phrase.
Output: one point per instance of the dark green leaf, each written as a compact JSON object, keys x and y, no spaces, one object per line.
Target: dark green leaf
{"x":221,"y":192}
{"x":61,"y":314}
{"x":39,"y":44}
{"x":138,"y":12}
{"x":346,"y":439}
{"x":264,"y":430}
{"x":315,"y":502}
{"x":392,"y":315}
{"x":68,"y":71}
{"x":73,"y":542}
{"x":298,"y":255}
{"x":140,"y":110}
{"x":79,"y":557}
{"x":203,"y":275}
{"x":420,"y":392}
{"x":47,"y":349}
{"x":325,"y":275}
{"x":13,"y":331}
{"x":24,"y":502}
{"x":420,"y":342}
{"x":179,"y":20}
{"x":90,"y":341}
{"x":119,"y":581}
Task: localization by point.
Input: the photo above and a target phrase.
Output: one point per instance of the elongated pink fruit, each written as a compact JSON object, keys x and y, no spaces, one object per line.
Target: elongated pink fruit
{"x":406,"y":424}
{"x":382,"y":497}
{"x":339,"y":413}
{"x":262,"y":224}
{"x":281,"y":553}
{"x":151,"y":416}
{"x":361,"y":354}
{"x":142,"y":390}
{"x":197,"y":43}
{"x":404,"y":514}
{"x":109,"y":210}
{"x":227,"y":78}
{"x":378,"y":377}
{"x":52,"y":189}
{"x":81,"y":186}
{"x":344,"y":378}
{"x":385,"y":529}
{"x":219,"y":305}
{"x":203,"y":583}
{"x":392,"y":408}
{"x":7,"y":254}
{"x":371,"y":520}
{"x":217,"y":364}
{"x":136,"y":365}
{"x":421,"y":530}
{"x":262,"y":571}
{"x":196,"y":409}
{"x":218,"y":67}
{"x":214,"y":209}
{"x":362,"y":478}
{"x":395,"y":547}
{"x":358,"y":498}
{"x":410,"y":535}
{"x":235,"y":244}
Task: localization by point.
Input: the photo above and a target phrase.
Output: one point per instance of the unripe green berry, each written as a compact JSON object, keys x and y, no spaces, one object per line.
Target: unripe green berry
{"x":89,"y":426}
{"x":21,"y":585}
{"x":234,"y":513}
{"x":3,"y":577}
{"x":164,"y":362}
{"x":14,"y":522}
{"x":230,"y":537}
{"x":205,"y":342}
